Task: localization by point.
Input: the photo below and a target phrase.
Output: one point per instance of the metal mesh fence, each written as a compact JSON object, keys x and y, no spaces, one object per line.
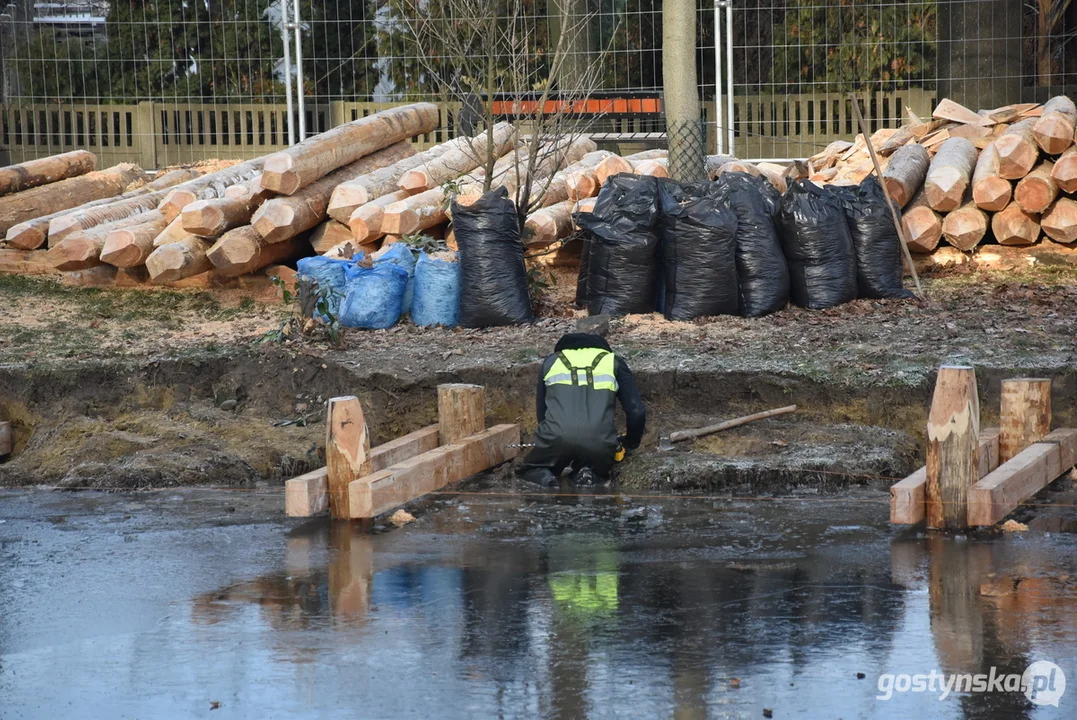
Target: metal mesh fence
{"x":209,"y":78}
{"x":687,"y":141}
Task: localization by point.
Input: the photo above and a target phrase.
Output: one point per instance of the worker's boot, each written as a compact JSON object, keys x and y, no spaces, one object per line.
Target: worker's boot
{"x":541,"y":476}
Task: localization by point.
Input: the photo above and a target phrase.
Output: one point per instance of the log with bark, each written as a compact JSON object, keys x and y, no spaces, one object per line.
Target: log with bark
{"x":1013,"y":226}
{"x":656,"y":167}
{"x":414,"y":213}
{"x":460,"y":160}
{"x":1054,"y":129}
{"x":547,"y":225}
{"x":285,"y":217}
{"x":207,"y":187}
{"x":44,"y":171}
{"x":1017,"y":150}
{"x":179,"y":260}
{"x":358,"y":192}
{"x":301,"y":165}
{"x":365,"y":222}
{"x":965,"y":227}
{"x":578,"y":180}
{"x":617,"y":164}
{"x":65,"y":194}
{"x":905,"y":173}
{"x":243,"y":250}
{"x":923,"y":226}
{"x":949,"y":174}
{"x":1036,"y":191}
{"x":990,"y":191}
{"x":130,"y":246}
{"x":1060,"y":221}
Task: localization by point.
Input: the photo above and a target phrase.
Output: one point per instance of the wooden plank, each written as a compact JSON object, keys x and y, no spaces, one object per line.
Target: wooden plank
{"x":996,"y":495}
{"x":907,"y":497}
{"x":382,"y":491}
{"x":1066,"y":439}
{"x":947,"y":109}
{"x":347,"y":450}
{"x":311,"y":490}
{"x":461,"y":411}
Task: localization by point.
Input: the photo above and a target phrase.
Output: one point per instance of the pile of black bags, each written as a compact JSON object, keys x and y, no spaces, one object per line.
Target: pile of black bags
{"x":735,"y":246}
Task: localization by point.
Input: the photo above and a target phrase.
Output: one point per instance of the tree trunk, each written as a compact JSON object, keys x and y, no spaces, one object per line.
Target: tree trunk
{"x":1017,"y":150}
{"x":243,"y":250}
{"x":1064,"y":172}
{"x":547,"y":225}
{"x":358,"y":192}
{"x":1013,"y":226}
{"x":179,"y":260}
{"x":949,"y":174}
{"x":44,"y":171}
{"x":212,"y":218}
{"x":285,"y":217}
{"x":923,"y":226}
{"x":65,"y":194}
{"x":82,"y":249}
{"x":1060,"y":222}
{"x":467,"y":155}
{"x":365,"y":222}
{"x":953,"y":428}
{"x":84,"y":219}
{"x":414,"y":213}
{"x":1026,"y":415}
{"x":905,"y":173}
{"x":578,"y":180}
{"x":129,"y":247}
{"x":297,"y":167}
{"x":461,"y":412}
{"x":1054,"y":130}
{"x":210,"y":186}
{"x":1036,"y":191}
{"x":990,"y":191}
{"x":680,"y":94}
{"x":965,"y":227}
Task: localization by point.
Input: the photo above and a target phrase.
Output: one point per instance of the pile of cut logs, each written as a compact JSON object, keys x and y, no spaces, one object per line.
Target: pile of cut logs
{"x":965,"y":176}
{"x":348,"y":190}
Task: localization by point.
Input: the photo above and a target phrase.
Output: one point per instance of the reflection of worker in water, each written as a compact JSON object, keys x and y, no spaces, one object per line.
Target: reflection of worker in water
{"x":578,"y":389}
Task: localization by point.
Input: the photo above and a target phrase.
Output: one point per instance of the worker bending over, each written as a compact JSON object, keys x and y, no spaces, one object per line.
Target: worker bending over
{"x":578,"y":388}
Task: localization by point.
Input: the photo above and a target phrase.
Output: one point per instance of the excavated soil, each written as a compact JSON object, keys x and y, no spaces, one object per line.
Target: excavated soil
{"x":143,"y":388}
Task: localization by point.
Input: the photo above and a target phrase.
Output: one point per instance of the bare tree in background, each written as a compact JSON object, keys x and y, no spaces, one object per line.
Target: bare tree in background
{"x":484,"y":55}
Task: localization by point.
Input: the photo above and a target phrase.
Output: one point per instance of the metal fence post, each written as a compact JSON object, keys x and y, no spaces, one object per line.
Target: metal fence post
{"x":146,"y":135}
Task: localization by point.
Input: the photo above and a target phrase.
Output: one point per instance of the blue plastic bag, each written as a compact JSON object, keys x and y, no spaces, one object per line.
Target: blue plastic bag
{"x":329,"y":273}
{"x":437,"y":292}
{"x":400,"y":254}
{"x":375,"y":296}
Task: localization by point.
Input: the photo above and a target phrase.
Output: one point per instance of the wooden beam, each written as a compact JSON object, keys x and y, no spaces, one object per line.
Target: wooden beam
{"x":347,"y":450}
{"x":461,"y":411}
{"x":1031,"y":470}
{"x":380,"y":492}
{"x":308,"y":494}
{"x":907,"y":497}
{"x":1025,"y":415}
{"x":953,"y":428}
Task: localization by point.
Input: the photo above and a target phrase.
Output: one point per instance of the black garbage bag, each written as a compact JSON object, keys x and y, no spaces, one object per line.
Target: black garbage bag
{"x":699,"y":264}
{"x":879,"y":268}
{"x":493,"y":279}
{"x":818,"y":246}
{"x":582,"y":274}
{"x":622,"y":229}
{"x":762,"y":272}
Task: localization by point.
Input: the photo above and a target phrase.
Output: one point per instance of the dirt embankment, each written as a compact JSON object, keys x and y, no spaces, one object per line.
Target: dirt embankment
{"x":137,"y":388}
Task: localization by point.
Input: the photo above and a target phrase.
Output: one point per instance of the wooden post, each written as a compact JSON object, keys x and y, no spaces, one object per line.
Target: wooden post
{"x":1025,"y":416}
{"x":347,"y":451}
{"x":461,"y":411}
{"x":953,"y":428}
{"x":6,"y":439}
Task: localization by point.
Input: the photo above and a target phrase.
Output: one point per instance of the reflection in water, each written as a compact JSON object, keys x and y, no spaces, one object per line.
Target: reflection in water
{"x":674,"y":625}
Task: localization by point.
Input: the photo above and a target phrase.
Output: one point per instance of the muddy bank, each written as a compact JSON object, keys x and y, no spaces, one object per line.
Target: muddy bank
{"x":256,"y":415}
